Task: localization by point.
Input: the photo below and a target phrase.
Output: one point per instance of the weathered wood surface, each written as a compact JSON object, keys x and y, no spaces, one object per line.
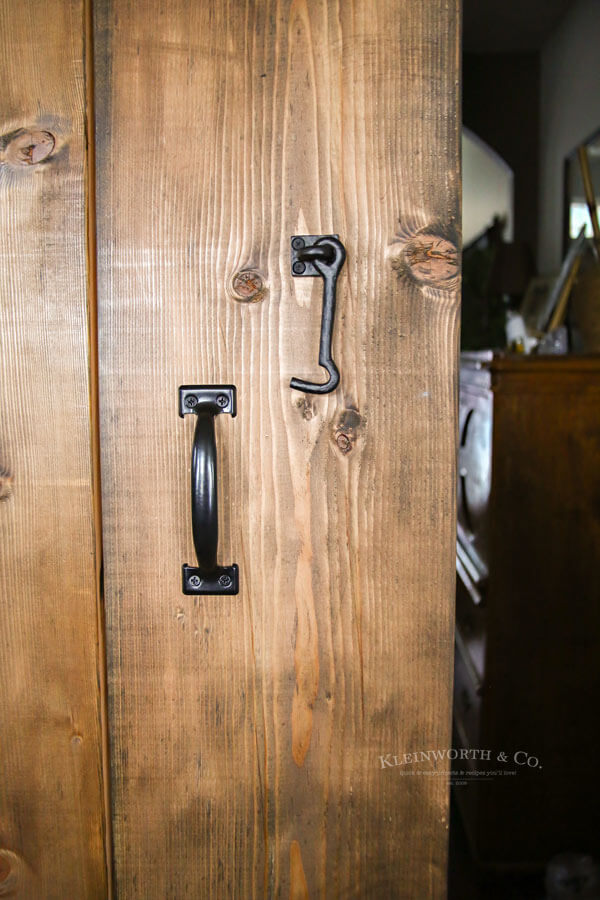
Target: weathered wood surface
{"x":51,"y":806}
{"x":247,"y":731}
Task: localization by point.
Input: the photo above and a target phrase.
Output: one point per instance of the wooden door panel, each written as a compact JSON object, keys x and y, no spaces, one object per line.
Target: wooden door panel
{"x":51,"y":797}
{"x":247,"y":730}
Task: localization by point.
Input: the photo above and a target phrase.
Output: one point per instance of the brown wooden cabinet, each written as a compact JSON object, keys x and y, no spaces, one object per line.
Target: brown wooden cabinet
{"x":527,"y":668}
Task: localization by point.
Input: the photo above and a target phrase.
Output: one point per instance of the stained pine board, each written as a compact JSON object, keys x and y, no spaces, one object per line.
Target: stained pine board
{"x":247,"y":731}
{"x":51,"y":803}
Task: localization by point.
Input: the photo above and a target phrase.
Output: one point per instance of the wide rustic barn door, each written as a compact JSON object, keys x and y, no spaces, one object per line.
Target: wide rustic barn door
{"x":247,"y":730}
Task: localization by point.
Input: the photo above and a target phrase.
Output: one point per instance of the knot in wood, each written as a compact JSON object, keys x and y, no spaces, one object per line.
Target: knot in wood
{"x":28,"y":147}
{"x":16,"y":879}
{"x":432,"y":259}
{"x":344,"y":443}
{"x":5,"y":484}
{"x":247,"y":286}
{"x":348,"y":427}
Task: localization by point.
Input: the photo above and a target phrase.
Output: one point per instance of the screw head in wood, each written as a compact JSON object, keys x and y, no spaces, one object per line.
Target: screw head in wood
{"x":225,"y":581}
{"x":298,"y":243}
{"x":194,"y":581}
{"x":191,"y":401}
{"x":222,"y":401}
{"x":299,"y":268}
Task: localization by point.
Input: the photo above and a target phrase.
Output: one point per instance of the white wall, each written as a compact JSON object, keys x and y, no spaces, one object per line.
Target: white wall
{"x":570,"y":112}
{"x":487,"y":188}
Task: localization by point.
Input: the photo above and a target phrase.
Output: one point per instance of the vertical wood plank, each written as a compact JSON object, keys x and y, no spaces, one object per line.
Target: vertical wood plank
{"x":51,"y":804}
{"x":247,"y":731}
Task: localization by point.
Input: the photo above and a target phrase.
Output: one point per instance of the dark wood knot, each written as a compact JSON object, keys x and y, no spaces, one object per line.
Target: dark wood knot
{"x":27,"y":147}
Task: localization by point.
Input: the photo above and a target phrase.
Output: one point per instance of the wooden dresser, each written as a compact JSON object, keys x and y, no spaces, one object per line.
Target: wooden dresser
{"x":527,"y":673}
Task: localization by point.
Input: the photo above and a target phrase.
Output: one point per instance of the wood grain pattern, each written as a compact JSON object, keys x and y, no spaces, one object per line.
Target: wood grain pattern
{"x":51,"y":807}
{"x":247,"y":731}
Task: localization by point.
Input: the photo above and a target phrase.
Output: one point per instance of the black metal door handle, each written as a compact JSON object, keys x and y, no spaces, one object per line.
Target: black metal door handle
{"x":206,"y":402}
{"x":324,"y":255}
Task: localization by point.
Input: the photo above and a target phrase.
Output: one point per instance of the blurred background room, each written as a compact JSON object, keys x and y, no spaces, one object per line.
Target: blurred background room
{"x":526,"y":813}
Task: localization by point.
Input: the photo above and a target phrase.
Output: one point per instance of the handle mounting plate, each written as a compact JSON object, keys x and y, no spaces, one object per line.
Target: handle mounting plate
{"x":215,"y":399}
{"x":219,"y":398}
{"x":308,"y":240}
{"x":320,"y":255}
{"x":224,"y":580}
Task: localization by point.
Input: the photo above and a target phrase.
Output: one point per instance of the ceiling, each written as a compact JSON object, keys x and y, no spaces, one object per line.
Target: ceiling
{"x":509,"y":26}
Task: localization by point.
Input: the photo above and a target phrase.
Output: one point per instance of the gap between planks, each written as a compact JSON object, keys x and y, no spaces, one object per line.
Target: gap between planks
{"x":92,"y":306}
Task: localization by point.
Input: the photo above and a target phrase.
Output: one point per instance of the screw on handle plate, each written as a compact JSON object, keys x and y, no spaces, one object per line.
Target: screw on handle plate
{"x":321,"y":255}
